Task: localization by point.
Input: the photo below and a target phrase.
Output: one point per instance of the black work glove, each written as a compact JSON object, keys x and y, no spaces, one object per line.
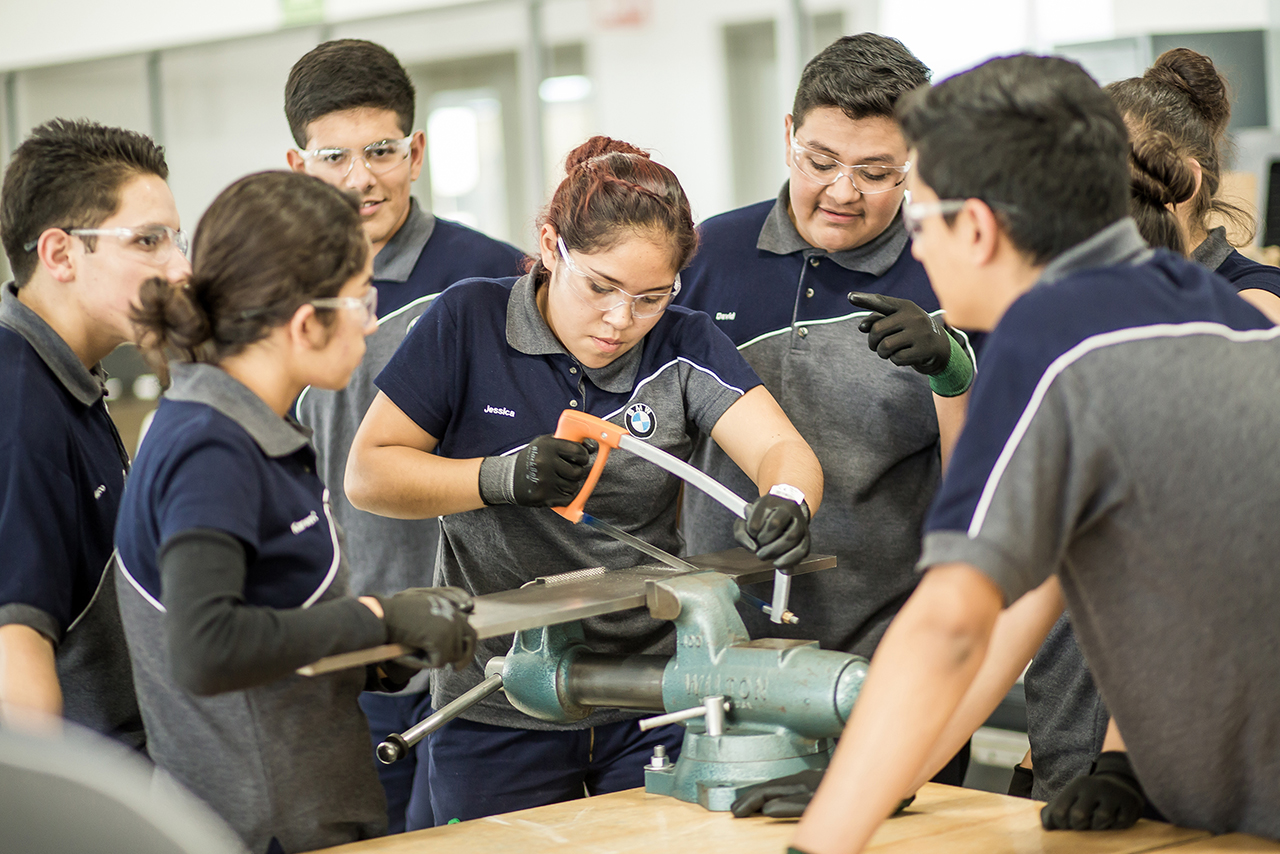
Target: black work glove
{"x":1022,"y":781}
{"x":550,"y":471}
{"x":434,"y":620}
{"x":786,"y":797}
{"x":904,"y":333}
{"x":1109,"y":797}
{"x":776,"y":529}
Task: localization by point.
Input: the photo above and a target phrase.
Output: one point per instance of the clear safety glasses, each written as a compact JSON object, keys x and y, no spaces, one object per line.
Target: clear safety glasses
{"x":868,"y":179}
{"x":378,"y":157}
{"x":915,"y":213}
{"x":606,"y":298}
{"x":366,"y":305}
{"x":154,"y":242}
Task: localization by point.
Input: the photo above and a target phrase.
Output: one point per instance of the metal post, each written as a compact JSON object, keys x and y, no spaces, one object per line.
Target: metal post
{"x":11,"y":110}
{"x":532,"y":70}
{"x":793,"y":49}
{"x":155,"y":97}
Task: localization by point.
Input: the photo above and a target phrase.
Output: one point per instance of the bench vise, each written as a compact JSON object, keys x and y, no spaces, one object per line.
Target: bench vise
{"x":753,"y":709}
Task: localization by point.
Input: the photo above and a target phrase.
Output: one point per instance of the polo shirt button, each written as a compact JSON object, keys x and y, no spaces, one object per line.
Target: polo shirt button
{"x":813,"y":262}
{"x":573,"y":403}
{"x":573,"y":370}
{"x":803,"y":331}
{"x":809,"y":293}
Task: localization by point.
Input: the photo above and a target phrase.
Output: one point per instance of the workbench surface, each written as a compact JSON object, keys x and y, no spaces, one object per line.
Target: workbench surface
{"x":943,"y":820}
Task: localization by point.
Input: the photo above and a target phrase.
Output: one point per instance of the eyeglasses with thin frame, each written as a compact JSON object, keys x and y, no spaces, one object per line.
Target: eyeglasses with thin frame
{"x":605,"y":298}
{"x":156,"y":242}
{"x":915,"y":213}
{"x":367,"y":305}
{"x":867,"y":178}
{"x":378,"y":157}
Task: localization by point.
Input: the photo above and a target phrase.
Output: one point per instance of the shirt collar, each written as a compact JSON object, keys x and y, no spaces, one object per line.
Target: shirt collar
{"x":1118,"y":243}
{"x":400,"y":255}
{"x":1214,"y":250}
{"x":779,"y":236}
{"x":200,"y":383}
{"x":528,"y":332}
{"x":86,"y":385}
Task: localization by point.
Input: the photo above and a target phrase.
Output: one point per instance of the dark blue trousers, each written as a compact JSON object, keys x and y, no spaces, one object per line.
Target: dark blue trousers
{"x":406,"y":782}
{"x":479,"y":770}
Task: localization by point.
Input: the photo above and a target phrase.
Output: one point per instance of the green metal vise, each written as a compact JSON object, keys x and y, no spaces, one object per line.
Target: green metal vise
{"x":753,"y":709}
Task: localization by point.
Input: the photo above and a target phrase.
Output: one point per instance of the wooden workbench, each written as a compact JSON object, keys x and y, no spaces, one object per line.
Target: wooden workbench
{"x":943,"y":820}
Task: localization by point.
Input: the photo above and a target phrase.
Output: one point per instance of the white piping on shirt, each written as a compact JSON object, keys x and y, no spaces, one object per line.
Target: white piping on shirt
{"x":824,"y":321}
{"x":124,"y":570}
{"x":102,"y":579}
{"x":1060,"y":364}
{"x":381,"y":320}
{"x":337,"y":556}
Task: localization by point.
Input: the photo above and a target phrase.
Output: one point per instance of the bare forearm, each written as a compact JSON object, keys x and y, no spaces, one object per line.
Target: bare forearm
{"x":792,"y":462}
{"x":1019,"y":631}
{"x":406,"y":483}
{"x":30,"y":696}
{"x":917,"y":678}
{"x":951,"y":415}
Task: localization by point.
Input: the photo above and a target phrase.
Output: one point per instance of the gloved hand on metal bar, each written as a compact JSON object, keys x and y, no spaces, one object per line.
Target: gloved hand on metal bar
{"x":434,"y":620}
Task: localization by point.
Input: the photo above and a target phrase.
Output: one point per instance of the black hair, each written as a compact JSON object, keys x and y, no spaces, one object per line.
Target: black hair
{"x":269,"y":243}
{"x":345,"y":74}
{"x":611,"y":188}
{"x":1179,"y":108}
{"x":1032,"y":136}
{"x":863,"y":75}
{"x":68,"y":174}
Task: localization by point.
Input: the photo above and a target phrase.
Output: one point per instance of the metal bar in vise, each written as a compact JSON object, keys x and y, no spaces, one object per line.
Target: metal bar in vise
{"x":537,"y":605}
{"x":637,"y":543}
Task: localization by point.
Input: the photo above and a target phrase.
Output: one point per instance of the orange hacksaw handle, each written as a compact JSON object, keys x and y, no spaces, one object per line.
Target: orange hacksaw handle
{"x":576,"y":426}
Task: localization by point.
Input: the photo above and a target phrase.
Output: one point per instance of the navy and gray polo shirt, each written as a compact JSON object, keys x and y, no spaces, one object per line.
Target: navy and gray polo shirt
{"x":286,"y":760}
{"x":872,"y":424}
{"x":483,"y":373}
{"x":1113,"y":439}
{"x":1217,"y":254}
{"x":62,"y":473}
{"x":424,"y":257}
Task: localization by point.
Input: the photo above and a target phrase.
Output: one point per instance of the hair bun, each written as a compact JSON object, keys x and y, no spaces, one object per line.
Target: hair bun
{"x":1159,"y":171}
{"x":598,"y":146}
{"x":1195,"y":75}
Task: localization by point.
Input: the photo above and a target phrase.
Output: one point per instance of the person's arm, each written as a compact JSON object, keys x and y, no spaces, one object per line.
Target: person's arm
{"x":1265,"y":301}
{"x":758,"y":436}
{"x":30,"y":695}
{"x":951,"y":416}
{"x":1113,"y":740}
{"x":217,"y":642}
{"x":1019,"y":631}
{"x":921,"y":671}
{"x":392,"y":471}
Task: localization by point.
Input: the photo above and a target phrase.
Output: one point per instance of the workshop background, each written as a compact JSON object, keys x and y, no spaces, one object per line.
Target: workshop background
{"x":507,"y":87}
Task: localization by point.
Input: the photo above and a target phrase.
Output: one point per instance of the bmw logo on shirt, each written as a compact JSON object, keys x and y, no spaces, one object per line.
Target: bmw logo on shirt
{"x":640,"y":421}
